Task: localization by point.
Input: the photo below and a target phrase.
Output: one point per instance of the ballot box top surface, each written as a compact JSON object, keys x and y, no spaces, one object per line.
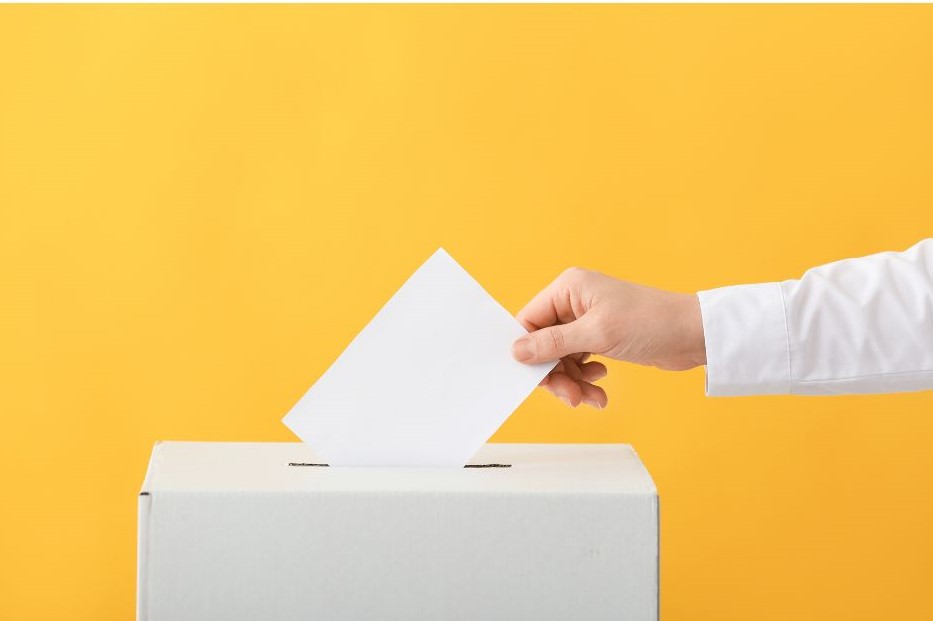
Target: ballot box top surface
{"x":497,"y":469}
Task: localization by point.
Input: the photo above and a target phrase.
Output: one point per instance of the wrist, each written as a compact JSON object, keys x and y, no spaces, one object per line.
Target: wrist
{"x":694,"y":338}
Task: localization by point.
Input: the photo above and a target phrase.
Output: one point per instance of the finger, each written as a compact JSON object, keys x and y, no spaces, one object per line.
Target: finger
{"x":565,"y":388}
{"x":593,"y":396}
{"x":556,"y":342}
{"x":593,"y":371}
{"x":558,"y":368}
{"x":572,"y":369}
{"x":552,"y":305}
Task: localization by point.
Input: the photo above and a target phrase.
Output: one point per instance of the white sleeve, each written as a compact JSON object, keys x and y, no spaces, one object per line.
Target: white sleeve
{"x":854,"y":326}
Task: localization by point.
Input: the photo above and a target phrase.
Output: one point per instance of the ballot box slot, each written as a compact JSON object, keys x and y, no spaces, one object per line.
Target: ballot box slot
{"x":304,"y":464}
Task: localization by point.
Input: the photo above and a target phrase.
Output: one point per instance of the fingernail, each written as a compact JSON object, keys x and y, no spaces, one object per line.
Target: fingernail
{"x":593,"y":404}
{"x":523,"y":349}
{"x":566,"y":400}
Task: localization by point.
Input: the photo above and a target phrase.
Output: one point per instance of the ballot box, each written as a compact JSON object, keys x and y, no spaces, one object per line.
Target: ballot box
{"x":265,"y":531}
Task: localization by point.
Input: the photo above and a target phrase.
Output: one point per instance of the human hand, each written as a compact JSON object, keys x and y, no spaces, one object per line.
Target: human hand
{"x":584,"y":312}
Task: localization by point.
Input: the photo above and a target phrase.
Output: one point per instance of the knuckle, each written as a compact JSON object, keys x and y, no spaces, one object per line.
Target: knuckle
{"x":555,"y":341}
{"x":575,"y":277}
{"x":572,"y":273}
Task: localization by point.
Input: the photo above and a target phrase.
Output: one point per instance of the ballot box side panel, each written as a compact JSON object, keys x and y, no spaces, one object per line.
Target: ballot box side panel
{"x":404,"y":556}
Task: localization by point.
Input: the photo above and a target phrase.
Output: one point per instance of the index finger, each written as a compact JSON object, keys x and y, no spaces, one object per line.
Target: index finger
{"x":550,"y":306}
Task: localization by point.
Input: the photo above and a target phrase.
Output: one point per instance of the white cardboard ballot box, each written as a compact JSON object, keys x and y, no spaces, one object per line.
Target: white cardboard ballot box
{"x":257,"y":531}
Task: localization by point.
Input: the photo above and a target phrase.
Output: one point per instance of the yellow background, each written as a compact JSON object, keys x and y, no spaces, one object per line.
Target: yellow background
{"x":200,"y":206}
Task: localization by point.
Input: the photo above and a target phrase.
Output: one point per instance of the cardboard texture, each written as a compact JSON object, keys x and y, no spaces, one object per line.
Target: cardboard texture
{"x":253,"y":531}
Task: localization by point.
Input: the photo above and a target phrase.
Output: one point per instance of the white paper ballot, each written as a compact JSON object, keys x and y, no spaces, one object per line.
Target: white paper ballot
{"x":427,"y":381}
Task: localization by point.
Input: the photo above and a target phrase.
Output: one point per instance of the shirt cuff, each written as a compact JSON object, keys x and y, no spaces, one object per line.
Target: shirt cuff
{"x":747,"y":347}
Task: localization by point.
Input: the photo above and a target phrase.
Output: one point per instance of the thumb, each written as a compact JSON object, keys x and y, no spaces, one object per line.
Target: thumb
{"x":554,"y":342}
